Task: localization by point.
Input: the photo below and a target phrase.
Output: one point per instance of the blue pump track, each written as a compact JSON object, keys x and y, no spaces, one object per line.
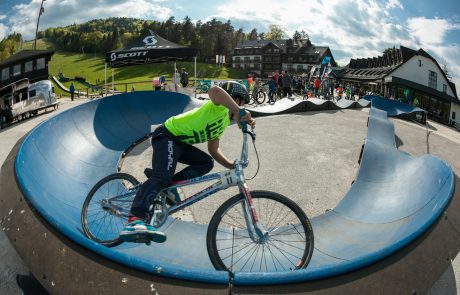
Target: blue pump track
{"x":395,"y":199}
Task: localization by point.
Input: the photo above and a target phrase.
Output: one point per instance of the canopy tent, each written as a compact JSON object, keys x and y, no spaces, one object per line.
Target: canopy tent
{"x":148,"y":49}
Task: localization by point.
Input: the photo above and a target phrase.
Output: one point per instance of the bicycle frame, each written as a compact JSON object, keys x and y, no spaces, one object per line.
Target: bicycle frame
{"x":225,"y":180}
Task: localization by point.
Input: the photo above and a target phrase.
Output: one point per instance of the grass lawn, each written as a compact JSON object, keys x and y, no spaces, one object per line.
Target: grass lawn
{"x":91,"y":67}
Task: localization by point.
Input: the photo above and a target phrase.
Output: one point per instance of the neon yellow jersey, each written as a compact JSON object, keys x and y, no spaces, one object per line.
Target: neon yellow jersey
{"x":199,"y":125}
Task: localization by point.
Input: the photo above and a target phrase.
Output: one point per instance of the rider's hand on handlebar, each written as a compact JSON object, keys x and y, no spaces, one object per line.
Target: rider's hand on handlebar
{"x":246,"y":118}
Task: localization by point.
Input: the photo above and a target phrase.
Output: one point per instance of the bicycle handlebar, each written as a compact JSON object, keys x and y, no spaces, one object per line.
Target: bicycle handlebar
{"x":244,"y":124}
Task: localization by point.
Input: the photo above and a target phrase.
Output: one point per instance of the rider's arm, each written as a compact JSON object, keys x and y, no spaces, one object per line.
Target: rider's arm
{"x":216,"y":153}
{"x":220,"y":97}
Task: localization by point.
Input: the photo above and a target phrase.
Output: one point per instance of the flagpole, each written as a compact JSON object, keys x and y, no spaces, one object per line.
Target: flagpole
{"x":38,"y":21}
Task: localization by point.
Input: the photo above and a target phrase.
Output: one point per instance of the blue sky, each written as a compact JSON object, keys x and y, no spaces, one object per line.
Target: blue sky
{"x":351,"y":28}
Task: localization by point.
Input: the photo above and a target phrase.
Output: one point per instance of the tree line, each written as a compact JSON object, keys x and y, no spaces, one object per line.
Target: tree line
{"x":103,"y":35}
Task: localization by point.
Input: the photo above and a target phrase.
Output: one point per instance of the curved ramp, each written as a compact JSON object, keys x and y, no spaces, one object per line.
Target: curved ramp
{"x":294,"y":105}
{"x":393,"y":107}
{"x":62,"y":87}
{"x":393,"y":201}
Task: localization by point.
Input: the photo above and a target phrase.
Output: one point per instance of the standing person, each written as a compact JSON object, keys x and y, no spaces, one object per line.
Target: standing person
{"x":173,"y":142}
{"x":176,"y":79}
{"x":316,"y":85}
{"x":184,"y":78}
{"x":72,"y":91}
{"x":271,"y":88}
{"x":286,"y":83}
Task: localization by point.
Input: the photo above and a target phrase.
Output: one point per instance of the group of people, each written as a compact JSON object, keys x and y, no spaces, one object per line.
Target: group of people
{"x":159,"y":83}
{"x":283,"y":85}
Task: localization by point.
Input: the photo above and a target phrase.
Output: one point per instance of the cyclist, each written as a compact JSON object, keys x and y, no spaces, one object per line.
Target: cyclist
{"x":173,"y":141}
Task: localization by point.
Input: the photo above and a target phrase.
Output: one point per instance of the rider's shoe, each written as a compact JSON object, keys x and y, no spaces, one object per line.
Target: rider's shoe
{"x":175,"y":195}
{"x":137,"y":231}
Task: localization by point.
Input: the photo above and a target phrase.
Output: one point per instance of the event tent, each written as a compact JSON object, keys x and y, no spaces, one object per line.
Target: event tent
{"x":149,"y":48}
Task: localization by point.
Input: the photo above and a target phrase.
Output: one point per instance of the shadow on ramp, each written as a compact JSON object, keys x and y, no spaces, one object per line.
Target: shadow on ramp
{"x":395,"y":200}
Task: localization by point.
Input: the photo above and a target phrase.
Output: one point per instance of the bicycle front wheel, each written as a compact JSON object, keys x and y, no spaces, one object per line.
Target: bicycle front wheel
{"x":106,"y":208}
{"x":234,"y":246}
{"x":260,"y":97}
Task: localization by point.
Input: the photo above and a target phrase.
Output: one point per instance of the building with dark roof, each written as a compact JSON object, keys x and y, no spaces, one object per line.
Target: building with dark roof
{"x":262,"y":57}
{"x":412,"y":76}
{"x":30,"y":64}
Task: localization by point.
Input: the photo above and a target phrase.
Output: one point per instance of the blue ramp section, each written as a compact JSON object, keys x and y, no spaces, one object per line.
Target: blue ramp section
{"x":392,"y":107}
{"x":393,"y":200}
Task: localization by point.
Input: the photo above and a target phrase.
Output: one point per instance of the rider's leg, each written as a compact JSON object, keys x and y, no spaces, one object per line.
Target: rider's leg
{"x":199,"y":163}
{"x":165,"y":156}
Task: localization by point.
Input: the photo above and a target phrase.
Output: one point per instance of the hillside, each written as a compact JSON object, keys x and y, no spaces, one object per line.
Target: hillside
{"x":91,"y":67}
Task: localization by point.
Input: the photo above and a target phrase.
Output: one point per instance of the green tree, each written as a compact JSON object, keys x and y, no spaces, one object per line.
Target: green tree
{"x":253,"y":35}
{"x":276,"y":33}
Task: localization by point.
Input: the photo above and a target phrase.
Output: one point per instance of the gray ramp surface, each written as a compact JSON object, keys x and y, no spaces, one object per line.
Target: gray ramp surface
{"x":394,"y":199}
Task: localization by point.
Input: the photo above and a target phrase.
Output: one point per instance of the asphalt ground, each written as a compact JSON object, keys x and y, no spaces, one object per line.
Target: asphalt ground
{"x":311,"y":158}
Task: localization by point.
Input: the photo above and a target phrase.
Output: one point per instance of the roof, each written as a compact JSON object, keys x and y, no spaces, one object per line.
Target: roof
{"x":25,"y":55}
{"x":300,"y":46}
{"x":376,"y":68}
{"x":150,"y":48}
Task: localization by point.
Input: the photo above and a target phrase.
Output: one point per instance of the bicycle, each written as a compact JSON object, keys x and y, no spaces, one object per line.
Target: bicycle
{"x":251,"y":231}
{"x":258,"y":97}
{"x":202,"y":87}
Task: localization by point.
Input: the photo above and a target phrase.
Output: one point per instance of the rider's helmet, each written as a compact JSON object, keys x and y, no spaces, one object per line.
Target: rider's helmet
{"x":236,"y":90}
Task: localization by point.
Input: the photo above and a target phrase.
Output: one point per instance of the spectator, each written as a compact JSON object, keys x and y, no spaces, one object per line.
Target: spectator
{"x":271,"y":88}
{"x":286,"y":83}
{"x":184,"y":78}
{"x":340,"y":91}
{"x":72,"y":91}
{"x":316,"y":85}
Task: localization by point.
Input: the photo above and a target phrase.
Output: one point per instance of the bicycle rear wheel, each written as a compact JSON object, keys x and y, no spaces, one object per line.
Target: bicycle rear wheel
{"x":288,"y":245}
{"x":106,"y":208}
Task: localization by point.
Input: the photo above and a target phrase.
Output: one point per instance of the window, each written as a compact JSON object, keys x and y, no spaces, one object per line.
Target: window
{"x":16,"y":70}
{"x":299,"y":68}
{"x":29,"y":66}
{"x":419,"y":62}
{"x":40,"y":63}
{"x":444,"y":88}
{"x":276,"y":50}
{"x":5,"y":74}
{"x":453,"y":115}
{"x":32,"y":93}
{"x":432,"y":79}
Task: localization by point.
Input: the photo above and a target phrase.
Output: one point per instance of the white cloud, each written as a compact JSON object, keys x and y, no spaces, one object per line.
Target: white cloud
{"x":66,"y":12}
{"x":3,"y":30}
{"x":2,"y":17}
{"x":394,"y":4}
{"x":429,"y":31}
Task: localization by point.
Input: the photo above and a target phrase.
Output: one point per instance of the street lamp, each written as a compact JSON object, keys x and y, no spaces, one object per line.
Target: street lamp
{"x":36,"y":31}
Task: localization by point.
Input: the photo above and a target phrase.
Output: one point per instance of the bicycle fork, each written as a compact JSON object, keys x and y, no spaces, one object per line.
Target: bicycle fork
{"x":252,"y":220}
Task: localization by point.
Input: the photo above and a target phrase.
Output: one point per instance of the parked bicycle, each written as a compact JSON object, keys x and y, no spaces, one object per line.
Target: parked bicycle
{"x":254,"y":231}
{"x":202,"y":87}
{"x":257,"y":97}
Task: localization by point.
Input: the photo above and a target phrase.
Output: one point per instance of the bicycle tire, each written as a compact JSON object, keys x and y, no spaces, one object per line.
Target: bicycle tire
{"x":260,"y":97}
{"x":109,"y":222}
{"x":220,"y":239}
{"x":251,"y":99}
